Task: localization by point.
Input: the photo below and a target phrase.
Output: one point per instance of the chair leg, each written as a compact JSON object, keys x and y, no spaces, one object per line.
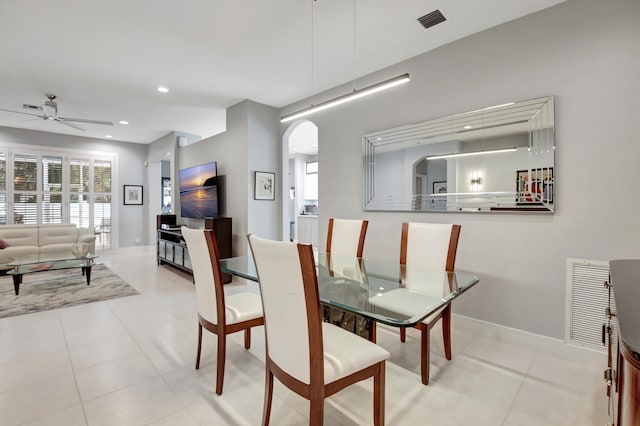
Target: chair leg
{"x":446,"y":331}
{"x":378,"y":395}
{"x":222,"y":343}
{"x":247,"y":338}
{"x":424,"y":353}
{"x":268,"y":396}
{"x":372,"y":331}
{"x":316,"y":411}
{"x":199,"y":346}
{"x":403,"y":334}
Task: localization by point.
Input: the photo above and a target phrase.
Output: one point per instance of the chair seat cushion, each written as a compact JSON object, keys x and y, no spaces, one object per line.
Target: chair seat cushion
{"x":242,"y":307}
{"x":406,"y":302}
{"x":346,"y":353}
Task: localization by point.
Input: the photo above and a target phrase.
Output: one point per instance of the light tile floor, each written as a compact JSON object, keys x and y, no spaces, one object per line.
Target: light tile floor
{"x":130,"y":361}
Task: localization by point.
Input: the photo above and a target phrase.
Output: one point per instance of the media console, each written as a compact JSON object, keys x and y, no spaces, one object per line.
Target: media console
{"x":172,"y":250}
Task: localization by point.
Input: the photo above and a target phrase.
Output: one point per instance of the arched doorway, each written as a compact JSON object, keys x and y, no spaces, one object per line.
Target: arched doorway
{"x":300,"y":182}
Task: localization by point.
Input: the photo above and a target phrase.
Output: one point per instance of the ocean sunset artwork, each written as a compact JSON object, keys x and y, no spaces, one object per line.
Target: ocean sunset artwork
{"x":199,"y":191}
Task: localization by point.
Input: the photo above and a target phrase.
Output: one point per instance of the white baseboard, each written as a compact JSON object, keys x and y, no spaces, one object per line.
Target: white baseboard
{"x":548,"y":345}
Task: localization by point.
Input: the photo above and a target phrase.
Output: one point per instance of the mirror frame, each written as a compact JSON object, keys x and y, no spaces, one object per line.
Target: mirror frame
{"x":530,"y":123}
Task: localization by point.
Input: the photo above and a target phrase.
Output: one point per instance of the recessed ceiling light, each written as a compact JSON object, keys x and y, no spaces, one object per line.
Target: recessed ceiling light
{"x":124,"y":122}
{"x":163,"y":89}
{"x":108,"y":136}
{"x":467,"y":127}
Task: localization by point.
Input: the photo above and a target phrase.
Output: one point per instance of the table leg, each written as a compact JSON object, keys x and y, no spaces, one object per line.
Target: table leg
{"x":86,"y":271}
{"x":17,"y":280}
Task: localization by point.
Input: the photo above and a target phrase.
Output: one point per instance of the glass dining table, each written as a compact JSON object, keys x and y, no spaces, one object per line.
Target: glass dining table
{"x":376,"y":290}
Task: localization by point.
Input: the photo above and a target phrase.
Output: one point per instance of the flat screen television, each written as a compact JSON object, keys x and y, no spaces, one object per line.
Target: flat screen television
{"x":199,"y":191}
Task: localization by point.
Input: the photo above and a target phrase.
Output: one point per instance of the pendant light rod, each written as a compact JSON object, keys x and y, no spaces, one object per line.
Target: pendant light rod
{"x":467,"y":154}
{"x":356,"y":94}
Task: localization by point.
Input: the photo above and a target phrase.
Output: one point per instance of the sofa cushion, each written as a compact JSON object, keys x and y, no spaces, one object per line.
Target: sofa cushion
{"x":57,"y":248}
{"x":19,"y":235}
{"x":9,"y":253}
{"x":48,"y":235}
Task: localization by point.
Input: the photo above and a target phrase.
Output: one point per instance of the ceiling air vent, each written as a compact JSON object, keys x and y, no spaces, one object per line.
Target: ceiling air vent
{"x":430,"y":19}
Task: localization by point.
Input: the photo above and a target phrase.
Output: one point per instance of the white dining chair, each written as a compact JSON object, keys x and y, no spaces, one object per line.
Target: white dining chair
{"x":217,"y":313}
{"x":346,"y":236}
{"x":312,"y":358}
{"x":428,"y":246}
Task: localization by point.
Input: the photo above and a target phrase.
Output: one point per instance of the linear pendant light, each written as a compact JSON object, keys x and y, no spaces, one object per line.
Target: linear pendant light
{"x":467,"y":154}
{"x":356,"y":94}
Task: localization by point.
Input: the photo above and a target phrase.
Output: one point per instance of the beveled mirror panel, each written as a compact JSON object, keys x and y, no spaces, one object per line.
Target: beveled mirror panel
{"x":496,"y":159}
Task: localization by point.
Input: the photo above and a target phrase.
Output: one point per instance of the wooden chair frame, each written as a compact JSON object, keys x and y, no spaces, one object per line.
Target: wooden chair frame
{"x":445,"y":315}
{"x":316,"y":391}
{"x":221,"y":329}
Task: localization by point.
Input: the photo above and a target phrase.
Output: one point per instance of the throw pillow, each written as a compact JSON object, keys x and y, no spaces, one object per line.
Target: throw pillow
{"x":3,"y":244}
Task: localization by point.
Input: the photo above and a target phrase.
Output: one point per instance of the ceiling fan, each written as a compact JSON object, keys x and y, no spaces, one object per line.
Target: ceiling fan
{"x":49,"y":111}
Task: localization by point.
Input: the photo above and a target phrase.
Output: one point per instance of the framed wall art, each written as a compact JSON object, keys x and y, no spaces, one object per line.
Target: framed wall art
{"x":265,"y":186}
{"x":133,"y":195}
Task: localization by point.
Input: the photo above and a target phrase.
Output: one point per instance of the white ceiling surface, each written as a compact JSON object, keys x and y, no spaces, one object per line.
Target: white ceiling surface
{"x":104,"y":60}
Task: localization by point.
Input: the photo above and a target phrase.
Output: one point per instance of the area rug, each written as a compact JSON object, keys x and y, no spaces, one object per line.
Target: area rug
{"x":58,"y":289}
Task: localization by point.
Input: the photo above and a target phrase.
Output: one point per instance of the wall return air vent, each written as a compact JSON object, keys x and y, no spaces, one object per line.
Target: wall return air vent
{"x":430,"y":19}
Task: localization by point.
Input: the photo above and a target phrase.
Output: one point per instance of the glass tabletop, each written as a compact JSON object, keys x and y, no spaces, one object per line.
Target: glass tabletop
{"x":41,"y":258}
{"x":376,"y":289}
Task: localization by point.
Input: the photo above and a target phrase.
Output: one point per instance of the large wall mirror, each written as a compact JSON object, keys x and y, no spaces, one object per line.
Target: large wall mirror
{"x":496,"y":159}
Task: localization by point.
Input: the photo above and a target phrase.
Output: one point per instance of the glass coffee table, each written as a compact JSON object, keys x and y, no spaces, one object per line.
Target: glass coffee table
{"x":31,"y":263}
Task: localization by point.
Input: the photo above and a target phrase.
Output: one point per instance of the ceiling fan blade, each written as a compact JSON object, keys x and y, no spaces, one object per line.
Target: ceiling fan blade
{"x":33,"y":107}
{"x":20,"y":112}
{"x":84,"y":120}
{"x":75,"y":126}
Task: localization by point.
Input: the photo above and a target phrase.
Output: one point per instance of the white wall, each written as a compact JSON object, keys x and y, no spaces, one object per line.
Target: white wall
{"x":250,"y":143}
{"x":161,"y":149}
{"x":264,"y":154}
{"x":131,"y":171}
{"x":582,"y":51}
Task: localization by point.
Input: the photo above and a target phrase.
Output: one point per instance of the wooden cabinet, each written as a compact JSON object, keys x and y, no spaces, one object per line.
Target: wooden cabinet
{"x":172,"y":250}
{"x":625,"y":382}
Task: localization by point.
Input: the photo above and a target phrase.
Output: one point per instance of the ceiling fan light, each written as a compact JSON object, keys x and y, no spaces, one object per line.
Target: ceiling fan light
{"x":124,"y":122}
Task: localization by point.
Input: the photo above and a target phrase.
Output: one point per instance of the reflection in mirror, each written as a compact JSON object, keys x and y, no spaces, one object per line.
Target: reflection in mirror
{"x":495,"y":159}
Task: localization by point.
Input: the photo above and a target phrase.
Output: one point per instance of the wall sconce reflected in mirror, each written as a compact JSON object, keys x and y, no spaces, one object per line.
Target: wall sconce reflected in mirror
{"x":475,"y":181}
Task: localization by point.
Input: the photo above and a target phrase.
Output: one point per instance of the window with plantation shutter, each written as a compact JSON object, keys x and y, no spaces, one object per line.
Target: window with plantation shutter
{"x":25,"y":189}
{"x":102,"y":202}
{"x":3,"y":188}
{"x":79,"y":205}
{"x":51,"y":206}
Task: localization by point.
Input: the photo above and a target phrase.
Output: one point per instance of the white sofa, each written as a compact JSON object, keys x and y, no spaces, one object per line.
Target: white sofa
{"x":49,"y":238}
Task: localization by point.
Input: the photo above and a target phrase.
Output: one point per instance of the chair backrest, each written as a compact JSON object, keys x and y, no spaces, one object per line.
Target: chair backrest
{"x":205,"y":261}
{"x":291,"y":304}
{"x":346,"y":236}
{"x":431,"y":245}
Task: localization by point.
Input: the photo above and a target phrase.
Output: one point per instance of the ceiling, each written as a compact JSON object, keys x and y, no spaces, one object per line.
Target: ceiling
{"x":105,"y":60}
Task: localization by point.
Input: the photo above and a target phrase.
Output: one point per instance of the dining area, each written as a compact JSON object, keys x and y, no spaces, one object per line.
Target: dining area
{"x":321,"y":310}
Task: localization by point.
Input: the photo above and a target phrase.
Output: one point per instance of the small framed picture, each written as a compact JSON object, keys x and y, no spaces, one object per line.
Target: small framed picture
{"x":265,"y":186}
{"x":133,"y":195}
{"x":439,"y":188}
